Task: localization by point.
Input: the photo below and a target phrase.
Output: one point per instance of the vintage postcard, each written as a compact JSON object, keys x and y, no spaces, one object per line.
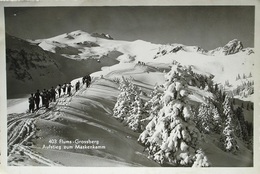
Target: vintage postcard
{"x":155,"y":87}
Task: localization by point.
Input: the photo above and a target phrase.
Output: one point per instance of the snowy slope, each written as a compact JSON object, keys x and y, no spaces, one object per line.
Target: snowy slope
{"x":82,"y":116}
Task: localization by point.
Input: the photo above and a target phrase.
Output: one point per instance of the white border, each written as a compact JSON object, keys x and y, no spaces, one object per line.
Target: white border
{"x":93,"y":170}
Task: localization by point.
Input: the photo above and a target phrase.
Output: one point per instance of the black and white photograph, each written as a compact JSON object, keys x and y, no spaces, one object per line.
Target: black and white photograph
{"x":130,"y":86}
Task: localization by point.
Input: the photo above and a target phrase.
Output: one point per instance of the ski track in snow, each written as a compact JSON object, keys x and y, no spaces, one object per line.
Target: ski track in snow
{"x":21,"y":129}
{"x":26,"y":153}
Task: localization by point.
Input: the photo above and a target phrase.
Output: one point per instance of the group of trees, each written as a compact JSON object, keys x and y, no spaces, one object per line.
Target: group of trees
{"x":243,"y":76}
{"x":221,"y":116}
{"x":129,"y":105}
{"x":169,"y":132}
{"x":172,"y":128}
{"x":208,"y":118}
{"x":243,"y":104}
{"x":244,"y":90}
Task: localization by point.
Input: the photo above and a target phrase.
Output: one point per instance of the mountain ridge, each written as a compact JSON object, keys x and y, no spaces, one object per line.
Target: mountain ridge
{"x":93,"y":53}
{"x":76,"y":37}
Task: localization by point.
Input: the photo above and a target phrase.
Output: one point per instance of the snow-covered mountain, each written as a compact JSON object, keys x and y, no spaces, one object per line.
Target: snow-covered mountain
{"x":81,"y":45}
{"x":218,"y":62}
{"x":29,"y":67}
{"x":103,"y":51}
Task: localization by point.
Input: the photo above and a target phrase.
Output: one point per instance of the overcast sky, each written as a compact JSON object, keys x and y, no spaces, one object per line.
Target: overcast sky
{"x":205,"y":26}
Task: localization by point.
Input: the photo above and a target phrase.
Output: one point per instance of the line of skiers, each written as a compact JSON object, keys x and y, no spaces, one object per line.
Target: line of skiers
{"x":48,"y":96}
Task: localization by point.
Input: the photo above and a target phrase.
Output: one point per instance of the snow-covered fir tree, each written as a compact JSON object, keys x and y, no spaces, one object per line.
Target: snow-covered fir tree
{"x":201,"y":159}
{"x":172,"y":136}
{"x":129,"y":105}
{"x":124,"y":99}
{"x":204,"y":119}
{"x":228,"y":135}
{"x":133,"y":120}
{"x":208,"y":119}
{"x":217,"y":120}
{"x":122,"y":106}
{"x":153,"y":106}
{"x":250,"y":75}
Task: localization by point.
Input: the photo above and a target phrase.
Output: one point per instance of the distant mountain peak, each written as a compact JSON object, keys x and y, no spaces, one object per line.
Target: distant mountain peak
{"x":233,"y":47}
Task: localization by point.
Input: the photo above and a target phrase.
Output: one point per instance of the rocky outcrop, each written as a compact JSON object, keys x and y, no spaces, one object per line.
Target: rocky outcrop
{"x":102,"y":35}
{"x":233,"y":47}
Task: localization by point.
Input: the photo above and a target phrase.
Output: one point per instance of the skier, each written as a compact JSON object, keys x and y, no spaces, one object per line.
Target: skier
{"x":77,"y":86}
{"x":43,"y":94}
{"x":53,"y":94}
{"x":69,"y":86}
{"x":88,"y":80}
{"x":87,"y":83}
{"x":31,"y":103}
{"x":83,"y":79}
{"x":45,"y":98}
{"x":37,"y":98}
{"x":64,"y":88}
{"x":49,"y":95}
{"x":59,"y":89}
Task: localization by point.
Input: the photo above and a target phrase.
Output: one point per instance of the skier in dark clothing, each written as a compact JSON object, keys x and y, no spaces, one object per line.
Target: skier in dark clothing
{"x":49,"y":95}
{"x":83,"y":79}
{"x":37,"y":98}
{"x":53,"y":94}
{"x":77,"y":86}
{"x":87,"y":84}
{"x":87,"y":80}
{"x":69,"y":86}
{"x":31,"y":104}
{"x":46,"y":98}
{"x":64,"y":88}
{"x":59,"y":89}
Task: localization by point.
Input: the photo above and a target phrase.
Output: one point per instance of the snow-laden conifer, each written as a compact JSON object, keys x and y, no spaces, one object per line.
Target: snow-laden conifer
{"x":208,"y":119}
{"x":228,"y":135}
{"x":129,"y":106}
{"x":171,"y":136}
{"x":201,"y":159}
